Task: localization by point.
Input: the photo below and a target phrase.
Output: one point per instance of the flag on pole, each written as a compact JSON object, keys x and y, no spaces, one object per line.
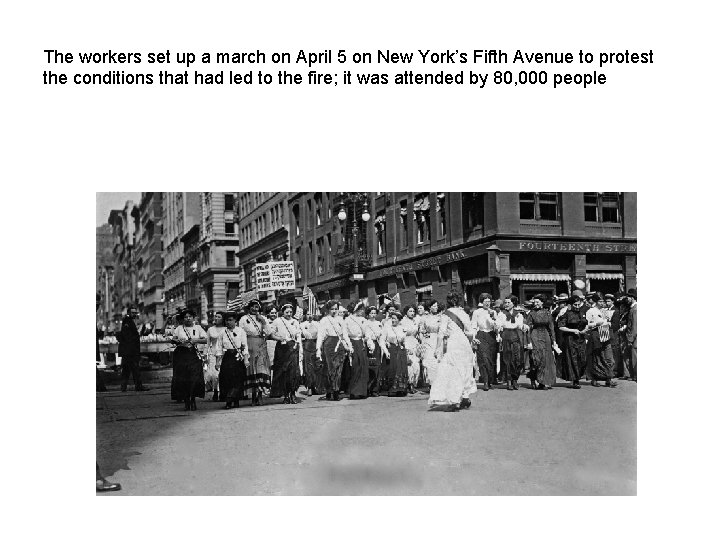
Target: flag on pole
{"x":241,"y":301}
{"x":309,"y":297}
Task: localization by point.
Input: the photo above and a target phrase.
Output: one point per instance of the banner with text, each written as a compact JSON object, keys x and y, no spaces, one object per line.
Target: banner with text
{"x":276,"y":275}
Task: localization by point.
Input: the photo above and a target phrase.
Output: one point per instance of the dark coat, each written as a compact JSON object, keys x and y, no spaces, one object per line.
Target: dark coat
{"x":128,"y":338}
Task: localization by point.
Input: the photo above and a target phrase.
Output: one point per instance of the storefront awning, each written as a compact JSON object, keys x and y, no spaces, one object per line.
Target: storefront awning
{"x":475,"y":281}
{"x":425,"y":288}
{"x":540,"y":277}
{"x":605,"y":275}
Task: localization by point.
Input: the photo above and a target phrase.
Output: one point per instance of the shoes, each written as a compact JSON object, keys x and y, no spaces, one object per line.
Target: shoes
{"x":336,"y":396}
{"x":454,"y":408}
{"x":515,"y":385}
{"x":286,"y":400}
{"x":187,"y":405}
{"x":215,"y":396}
{"x":541,"y":386}
{"x":610,"y":384}
{"x":328,"y":396}
{"x":228,"y":406}
{"x":465,"y":403}
{"x":193,"y":406}
{"x":107,"y":486}
{"x":293,"y":401}
{"x":534,"y":386}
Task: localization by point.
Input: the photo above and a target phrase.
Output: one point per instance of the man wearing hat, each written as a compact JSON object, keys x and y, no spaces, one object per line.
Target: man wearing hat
{"x":129,"y":349}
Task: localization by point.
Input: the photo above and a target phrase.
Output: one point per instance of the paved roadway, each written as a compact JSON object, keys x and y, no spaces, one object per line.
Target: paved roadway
{"x":557,"y":442}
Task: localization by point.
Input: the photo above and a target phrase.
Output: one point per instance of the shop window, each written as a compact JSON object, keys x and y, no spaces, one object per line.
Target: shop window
{"x":473,"y":205}
{"x":440,"y":212}
{"x":380,"y":232}
{"x":540,"y":206}
{"x":403,"y":225}
{"x":421,"y":214}
{"x":602,"y":207}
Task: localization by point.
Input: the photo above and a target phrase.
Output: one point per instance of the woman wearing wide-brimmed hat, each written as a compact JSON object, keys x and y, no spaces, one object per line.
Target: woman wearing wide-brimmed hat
{"x":188,"y":379}
{"x":258,"y":330}
{"x":285,"y":330}
{"x":234,"y":363}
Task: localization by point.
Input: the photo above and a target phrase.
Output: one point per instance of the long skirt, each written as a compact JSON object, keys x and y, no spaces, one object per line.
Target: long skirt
{"x":232,"y":377}
{"x":374,"y":360}
{"x":311,"y":367}
{"x":429,"y":362}
{"x":258,"y":373}
{"x":346,"y":374}
{"x":600,"y":363}
{"x":619,"y":367}
{"x":332,"y":363}
{"x":359,"y":378}
{"x":211,"y":375}
{"x":513,"y":355}
{"x":542,"y":361}
{"x":486,"y":355}
{"x":188,"y":381}
{"x":411,"y":345}
{"x":286,"y":369}
{"x":573,"y":366}
{"x":397,"y":371}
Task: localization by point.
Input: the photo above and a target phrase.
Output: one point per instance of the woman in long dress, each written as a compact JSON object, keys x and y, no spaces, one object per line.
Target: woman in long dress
{"x":234,"y":363}
{"x":285,"y":330}
{"x":188,"y":382}
{"x":542,"y":340}
{"x":572,"y":324}
{"x":257,"y":329}
{"x":214,"y":355}
{"x":454,"y":382}
{"x":410,"y":326}
{"x":311,"y":369}
{"x":373,"y":331}
{"x":331,"y":349}
{"x":600,"y":365}
{"x":429,"y":328}
{"x":355,"y":332}
{"x":511,"y":323}
{"x":392,"y":342}
{"x":483,"y":325}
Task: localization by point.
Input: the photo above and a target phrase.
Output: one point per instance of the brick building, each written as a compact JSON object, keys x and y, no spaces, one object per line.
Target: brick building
{"x":420,"y":245}
{"x":148,"y":258}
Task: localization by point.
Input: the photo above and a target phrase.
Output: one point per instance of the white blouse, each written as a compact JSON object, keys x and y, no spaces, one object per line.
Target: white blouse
{"x":284,"y":330}
{"x":483,"y":320}
{"x":235,"y":339}
{"x":332,"y":327}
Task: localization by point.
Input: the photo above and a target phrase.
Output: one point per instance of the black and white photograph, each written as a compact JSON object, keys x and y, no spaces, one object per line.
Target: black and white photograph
{"x":366,"y":343}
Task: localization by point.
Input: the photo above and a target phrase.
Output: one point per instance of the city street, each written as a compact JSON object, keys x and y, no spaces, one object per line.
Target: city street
{"x":558,"y":442}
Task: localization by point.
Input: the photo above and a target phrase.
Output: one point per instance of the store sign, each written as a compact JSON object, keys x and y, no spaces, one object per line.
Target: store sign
{"x":568,"y":247}
{"x":428,"y":262}
{"x":274,"y":276}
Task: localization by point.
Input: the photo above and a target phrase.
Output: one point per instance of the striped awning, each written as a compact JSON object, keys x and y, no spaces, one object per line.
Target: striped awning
{"x":605,"y":275}
{"x":540,"y":277}
{"x":476,"y":281}
{"x":425,"y":288}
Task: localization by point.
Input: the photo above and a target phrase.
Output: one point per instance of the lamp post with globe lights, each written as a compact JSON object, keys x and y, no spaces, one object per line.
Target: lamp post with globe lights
{"x":355,"y":199}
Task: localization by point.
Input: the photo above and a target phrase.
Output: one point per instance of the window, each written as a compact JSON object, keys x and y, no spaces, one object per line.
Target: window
{"x":473,"y":205}
{"x":380,"y":232}
{"x":603,"y":207}
{"x":296,"y":219}
{"x":328,"y":205}
{"x":440,"y":212}
{"x":230,"y":259}
{"x":298,"y":268}
{"x":309,"y":215}
{"x":403,"y":224}
{"x":318,"y":208}
{"x":311,"y":258}
{"x":320,"y":251}
{"x":229,"y":227}
{"x":328,"y":239}
{"x":421,"y":214}
{"x":539,"y":206}
{"x":229,"y":203}
{"x":248,"y":277}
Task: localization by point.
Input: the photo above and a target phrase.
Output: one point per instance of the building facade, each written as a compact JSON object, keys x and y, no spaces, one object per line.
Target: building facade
{"x":421,"y":245}
{"x":148,"y":258}
{"x":180,"y":211}
{"x":217,"y":271}
{"x":263,"y":234}
{"x":125,"y":226}
{"x":104,"y":269}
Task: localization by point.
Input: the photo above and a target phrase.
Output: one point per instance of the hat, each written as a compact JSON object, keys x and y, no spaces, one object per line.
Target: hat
{"x":254,"y":301}
{"x":578,"y":293}
{"x":352,"y":307}
{"x":633,"y":293}
{"x":181,"y":314}
{"x":595,"y":296}
{"x":609,"y":296}
{"x":563,"y":297}
{"x":286,"y":305}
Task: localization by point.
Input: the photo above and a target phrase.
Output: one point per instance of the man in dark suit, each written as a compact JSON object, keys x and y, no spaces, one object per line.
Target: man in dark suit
{"x":129,"y":350}
{"x":632,"y":333}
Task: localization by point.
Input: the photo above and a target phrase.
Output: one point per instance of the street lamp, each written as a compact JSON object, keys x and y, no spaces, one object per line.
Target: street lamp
{"x":354,"y":198}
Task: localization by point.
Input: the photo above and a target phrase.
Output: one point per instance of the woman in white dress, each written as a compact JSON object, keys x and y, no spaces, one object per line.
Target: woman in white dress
{"x":429,"y":328}
{"x":214,"y":355}
{"x":410,"y":326}
{"x":454,"y":382}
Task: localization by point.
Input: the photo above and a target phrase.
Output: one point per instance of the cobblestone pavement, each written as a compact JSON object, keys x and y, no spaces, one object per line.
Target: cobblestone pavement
{"x":557,"y":442}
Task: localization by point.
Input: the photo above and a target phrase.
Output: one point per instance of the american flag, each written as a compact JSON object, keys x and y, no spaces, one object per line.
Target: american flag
{"x":241,"y":301}
{"x":309,"y":297}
